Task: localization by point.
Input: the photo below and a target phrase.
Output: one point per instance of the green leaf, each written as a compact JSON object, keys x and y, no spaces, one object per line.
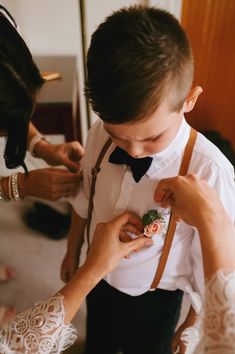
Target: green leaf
{"x":154,"y":214}
{"x":146,"y":219}
{"x":151,"y":216}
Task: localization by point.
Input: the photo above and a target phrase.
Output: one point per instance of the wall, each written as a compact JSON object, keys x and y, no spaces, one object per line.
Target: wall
{"x":48,"y":27}
{"x":210,"y":26}
{"x":173,"y":6}
{"x":52,"y":28}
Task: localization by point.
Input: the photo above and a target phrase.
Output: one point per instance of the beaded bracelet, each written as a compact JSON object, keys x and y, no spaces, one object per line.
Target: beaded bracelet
{"x":14,"y":186}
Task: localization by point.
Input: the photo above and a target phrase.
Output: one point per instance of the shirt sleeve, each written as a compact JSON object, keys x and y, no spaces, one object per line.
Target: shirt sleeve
{"x":40,"y":329}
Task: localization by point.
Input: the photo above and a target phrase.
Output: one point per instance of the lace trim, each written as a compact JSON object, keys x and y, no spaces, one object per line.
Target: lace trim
{"x":218,"y":333}
{"x":40,"y":330}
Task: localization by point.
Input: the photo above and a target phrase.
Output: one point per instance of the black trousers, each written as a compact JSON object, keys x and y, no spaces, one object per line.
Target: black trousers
{"x":142,"y":324}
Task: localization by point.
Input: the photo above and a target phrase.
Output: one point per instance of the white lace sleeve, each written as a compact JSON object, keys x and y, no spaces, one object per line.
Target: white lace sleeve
{"x":218,"y":335}
{"x":40,"y":330}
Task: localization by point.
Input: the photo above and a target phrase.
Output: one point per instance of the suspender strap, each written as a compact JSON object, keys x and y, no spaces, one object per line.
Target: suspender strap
{"x":94,"y":172}
{"x":172,"y":223}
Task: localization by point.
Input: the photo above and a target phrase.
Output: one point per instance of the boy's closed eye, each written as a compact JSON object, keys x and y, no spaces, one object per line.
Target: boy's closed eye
{"x":155,"y":138}
{"x":152,"y":138}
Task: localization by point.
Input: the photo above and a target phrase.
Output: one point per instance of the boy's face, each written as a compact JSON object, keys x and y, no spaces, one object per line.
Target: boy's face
{"x":147,"y":136}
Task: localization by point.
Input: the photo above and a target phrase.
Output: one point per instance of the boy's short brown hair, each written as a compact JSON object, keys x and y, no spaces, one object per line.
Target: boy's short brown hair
{"x":138,"y":57}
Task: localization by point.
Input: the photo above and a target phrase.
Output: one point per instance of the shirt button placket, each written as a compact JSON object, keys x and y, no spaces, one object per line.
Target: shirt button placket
{"x":126,"y":190}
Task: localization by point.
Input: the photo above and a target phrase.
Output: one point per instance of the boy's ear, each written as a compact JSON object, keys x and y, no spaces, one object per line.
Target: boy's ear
{"x":192,"y":98}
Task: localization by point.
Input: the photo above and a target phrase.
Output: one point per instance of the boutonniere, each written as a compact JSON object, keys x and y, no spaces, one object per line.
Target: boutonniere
{"x":154,"y":223}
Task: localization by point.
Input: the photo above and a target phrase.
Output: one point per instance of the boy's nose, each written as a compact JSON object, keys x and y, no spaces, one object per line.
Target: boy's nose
{"x":135,"y":150}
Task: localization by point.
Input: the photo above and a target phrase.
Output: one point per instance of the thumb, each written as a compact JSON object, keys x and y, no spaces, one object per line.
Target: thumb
{"x":165,"y":187}
{"x":127,"y":218}
{"x":71,"y":165}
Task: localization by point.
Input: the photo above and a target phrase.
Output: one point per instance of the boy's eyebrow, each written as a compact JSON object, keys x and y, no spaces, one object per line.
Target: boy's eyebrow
{"x":118,"y":138}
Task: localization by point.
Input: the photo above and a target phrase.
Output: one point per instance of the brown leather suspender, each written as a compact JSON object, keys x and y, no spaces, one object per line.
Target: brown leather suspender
{"x":172,"y":223}
{"x":94,"y":172}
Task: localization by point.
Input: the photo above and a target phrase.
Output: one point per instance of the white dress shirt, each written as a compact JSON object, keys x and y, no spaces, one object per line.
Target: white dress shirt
{"x":116,"y":191}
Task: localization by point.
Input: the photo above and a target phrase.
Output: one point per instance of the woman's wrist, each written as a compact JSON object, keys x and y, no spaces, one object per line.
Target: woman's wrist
{"x":208,"y":214}
{"x":22,"y":185}
{"x":37,"y":145}
{"x":41,"y":149}
{"x":213,"y":223}
{"x":92,"y":274}
{"x":12,"y":187}
{"x":75,"y":291}
{"x":217,"y":237}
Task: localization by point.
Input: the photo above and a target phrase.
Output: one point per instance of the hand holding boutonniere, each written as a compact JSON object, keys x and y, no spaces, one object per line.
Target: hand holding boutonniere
{"x":154,"y":223}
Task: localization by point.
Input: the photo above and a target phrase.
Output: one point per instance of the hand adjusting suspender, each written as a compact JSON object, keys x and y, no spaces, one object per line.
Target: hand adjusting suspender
{"x":172,"y":223}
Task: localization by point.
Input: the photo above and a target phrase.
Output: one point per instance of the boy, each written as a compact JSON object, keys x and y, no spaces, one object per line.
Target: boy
{"x":140,"y":72}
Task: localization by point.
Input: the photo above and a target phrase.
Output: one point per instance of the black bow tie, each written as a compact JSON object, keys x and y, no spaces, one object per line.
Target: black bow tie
{"x":138,"y":166}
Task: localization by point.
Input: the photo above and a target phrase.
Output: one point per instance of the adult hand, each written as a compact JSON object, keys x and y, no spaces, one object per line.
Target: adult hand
{"x":199,"y":205}
{"x":135,"y":228}
{"x":106,"y":249}
{"x":190,"y":198}
{"x":49,"y":183}
{"x":105,"y":252}
{"x":67,"y":154}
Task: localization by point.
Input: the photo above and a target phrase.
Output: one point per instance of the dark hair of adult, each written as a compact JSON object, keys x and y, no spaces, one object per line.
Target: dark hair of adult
{"x":137,"y":58}
{"x":20,"y":81}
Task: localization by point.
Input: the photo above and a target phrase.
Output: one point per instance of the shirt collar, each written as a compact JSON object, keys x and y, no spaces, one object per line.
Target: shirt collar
{"x":172,"y":151}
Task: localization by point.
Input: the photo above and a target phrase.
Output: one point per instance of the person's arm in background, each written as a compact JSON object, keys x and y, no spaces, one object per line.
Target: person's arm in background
{"x":49,"y":183}
{"x":207,"y":214}
{"x":66,"y":154}
{"x":217,"y":238}
{"x":221,"y":178}
{"x":74,"y":244}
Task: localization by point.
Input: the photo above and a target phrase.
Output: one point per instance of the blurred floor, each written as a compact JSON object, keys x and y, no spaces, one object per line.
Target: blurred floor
{"x":36,"y":259}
